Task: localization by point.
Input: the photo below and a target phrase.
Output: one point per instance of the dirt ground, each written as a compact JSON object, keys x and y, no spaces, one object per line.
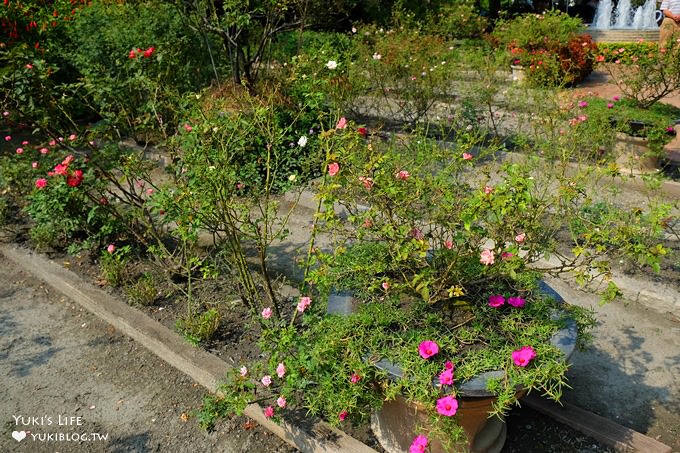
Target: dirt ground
{"x":71,"y":383}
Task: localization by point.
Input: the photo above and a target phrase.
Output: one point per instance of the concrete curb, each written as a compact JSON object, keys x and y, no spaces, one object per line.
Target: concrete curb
{"x":203,"y":367}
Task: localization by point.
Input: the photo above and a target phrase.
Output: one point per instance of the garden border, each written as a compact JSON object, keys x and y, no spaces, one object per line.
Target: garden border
{"x":207,"y":369}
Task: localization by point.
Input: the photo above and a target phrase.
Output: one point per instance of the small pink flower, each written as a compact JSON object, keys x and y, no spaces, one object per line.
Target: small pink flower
{"x":188,"y":128}
{"x":354,"y":378}
{"x":243,"y":371}
{"x":40,"y":183}
{"x":506,"y":255}
{"x":446,"y":377}
{"x":448,"y":365}
{"x":266,"y":380}
{"x":333,"y":168}
{"x":368,"y":223}
{"x":20,"y":150}
{"x":582,"y":104}
{"x":488,"y":190}
{"x":385,"y":285}
{"x":61,"y":139}
{"x":281,"y":370}
{"x":267,"y":313}
{"x":342,"y":415}
{"x":417,"y":234}
{"x":8,"y":138}
{"x":34,"y":164}
{"x":304,"y":303}
{"x":447,"y":406}
{"x":616,"y":98}
{"x":523,"y":356}
{"x":111,"y":248}
{"x":520,"y":237}
{"x":5,"y":113}
{"x":72,"y":137}
{"x":419,"y":444}
{"x":52,"y":142}
{"x":149,"y":191}
{"x":448,"y":244}
{"x":610,"y":105}
{"x":516,"y":302}
{"x":281,"y":402}
{"x":467,"y":156}
{"x":29,"y":66}
{"x":44,"y":150}
{"x":25,"y":142}
{"x":496,"y":301}
{"x":402,"y":175}
{"x":342,"y":123}
{"x":368,"y":182}
{"x":486,"y":257}
{"x":427,"y":349}
{"x":269,"y":412}
{"x":240,"y":185}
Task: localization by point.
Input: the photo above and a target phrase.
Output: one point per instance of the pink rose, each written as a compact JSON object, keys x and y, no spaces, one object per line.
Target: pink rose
{"x":40,"y":183}
{"x":281,"y":402}
{"x":111,"y":248}
{"x":304,"y":303}
{"x":266,"y":380}
{"x":269,"y":412}
{"x":333,"y":168}
{"x":467,"y":156}
{"x":267,"y":313}
{"x":281,"y":370}
{"x":342,"y":123}
{"x":486,"y":257}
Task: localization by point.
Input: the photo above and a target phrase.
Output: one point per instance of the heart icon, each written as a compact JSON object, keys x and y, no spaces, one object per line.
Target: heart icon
{"x":19,"y":435}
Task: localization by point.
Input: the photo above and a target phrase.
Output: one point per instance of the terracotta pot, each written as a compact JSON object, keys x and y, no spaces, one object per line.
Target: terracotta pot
{"x":395,"y":424}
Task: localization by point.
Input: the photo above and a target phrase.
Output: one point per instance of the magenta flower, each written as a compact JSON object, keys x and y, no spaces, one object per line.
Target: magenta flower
{"x":8,"y":138}
{"x":266,"y":380}
{"x":417,"y":234}
{"x":446,"y":377}
{"x":610,"y":105}
{"x":281,"y":370}
{"x":419,"y":444}
{"x":447,"y":406}
{"x":333,"y":168}
{"x":342,"y":415}
{"x":354,"y":378}
{"x":467,"y":156}
{"x":269,"y":412}
{"x":523,"y":356}
{"x":342,"y":123}
{"x":583,"y":104}
{"x":516,"y":302}
{"x":449,"y":365}
{"x":616,"y":98}
{"x":506,"y":255}
{"x":496,"y":301}
{"x":25,"y":142}
{"x":111,"y":248}
{"x":427,"y":349}
{"x":40,"y":183}
{"x":267,"y":313}
{"x":281,"y":402}
{"x":486,"y":257}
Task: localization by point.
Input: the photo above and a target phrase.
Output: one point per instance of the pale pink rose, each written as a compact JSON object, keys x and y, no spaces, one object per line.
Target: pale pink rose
{"x":269,"y":412}
{"x":486,"y":257}
{"x":281,"y":370}
{"x":342,"y":123}
{"x":267,"y":313}
{"x":34,"y":164}
{"x":333,"y":168}
{"x":385,"y":285}
{"x":520,"y":237}
{"x":266,"y":380}
{"x":111,"y":248}
{"x":488,"y":190}
{"x":467,"y":156}
{"x":72,"y":137}
{"x":281,"y":402}
{"x":41,"y":183}
{"x":304,"y":303}
{"x":402,"y":175}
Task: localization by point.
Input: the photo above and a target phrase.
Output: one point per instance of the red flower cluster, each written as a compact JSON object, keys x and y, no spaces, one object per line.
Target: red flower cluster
{"x":73,"y":178}
{"x":145,"y":53}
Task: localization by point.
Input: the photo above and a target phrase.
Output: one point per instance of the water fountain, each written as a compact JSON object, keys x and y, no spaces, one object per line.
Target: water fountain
{"x":623,"y":23}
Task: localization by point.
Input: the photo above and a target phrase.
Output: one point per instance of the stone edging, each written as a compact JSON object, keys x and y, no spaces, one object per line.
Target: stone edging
{"x":203,"y":367}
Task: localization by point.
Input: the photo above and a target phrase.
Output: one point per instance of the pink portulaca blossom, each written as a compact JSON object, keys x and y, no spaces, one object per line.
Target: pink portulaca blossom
{"x":523,"y":356}
{"x":267,"y":313}
{"x":304,"y":303}
{"x":269,"y":412}
{"x":333,"y":168}
{"x":446,"y":377}
{"x":427,"y":349}
{"x":281,"y":370}
{"x":72,"y":137}
{"x":266,"y":380}
{"x":486,"y":257}
{"x":582,"y":104}
{"x":447,"y":406}
{"x":419,"y":444}
{"x":449,"y":365}
{"x":496,"y":301}
{"x":8,"y":138}
{"x":354,"y":378}
{"x":516,"y":302}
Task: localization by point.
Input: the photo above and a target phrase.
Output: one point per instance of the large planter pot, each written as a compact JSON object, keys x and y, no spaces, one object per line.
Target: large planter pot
{"x":518,"y":73}
{"x":396,"y":422}
{"x":633,"y":155}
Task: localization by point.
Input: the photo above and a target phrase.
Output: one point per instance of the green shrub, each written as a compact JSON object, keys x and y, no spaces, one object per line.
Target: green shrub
{"x":113,"y":263}
{"x":460,"y":20}
{"x":143,"y":291}
{"x":199,"y":327}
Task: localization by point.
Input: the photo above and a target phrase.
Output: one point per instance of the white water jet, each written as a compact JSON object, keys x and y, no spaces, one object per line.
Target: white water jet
{"x":624,"y":16}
